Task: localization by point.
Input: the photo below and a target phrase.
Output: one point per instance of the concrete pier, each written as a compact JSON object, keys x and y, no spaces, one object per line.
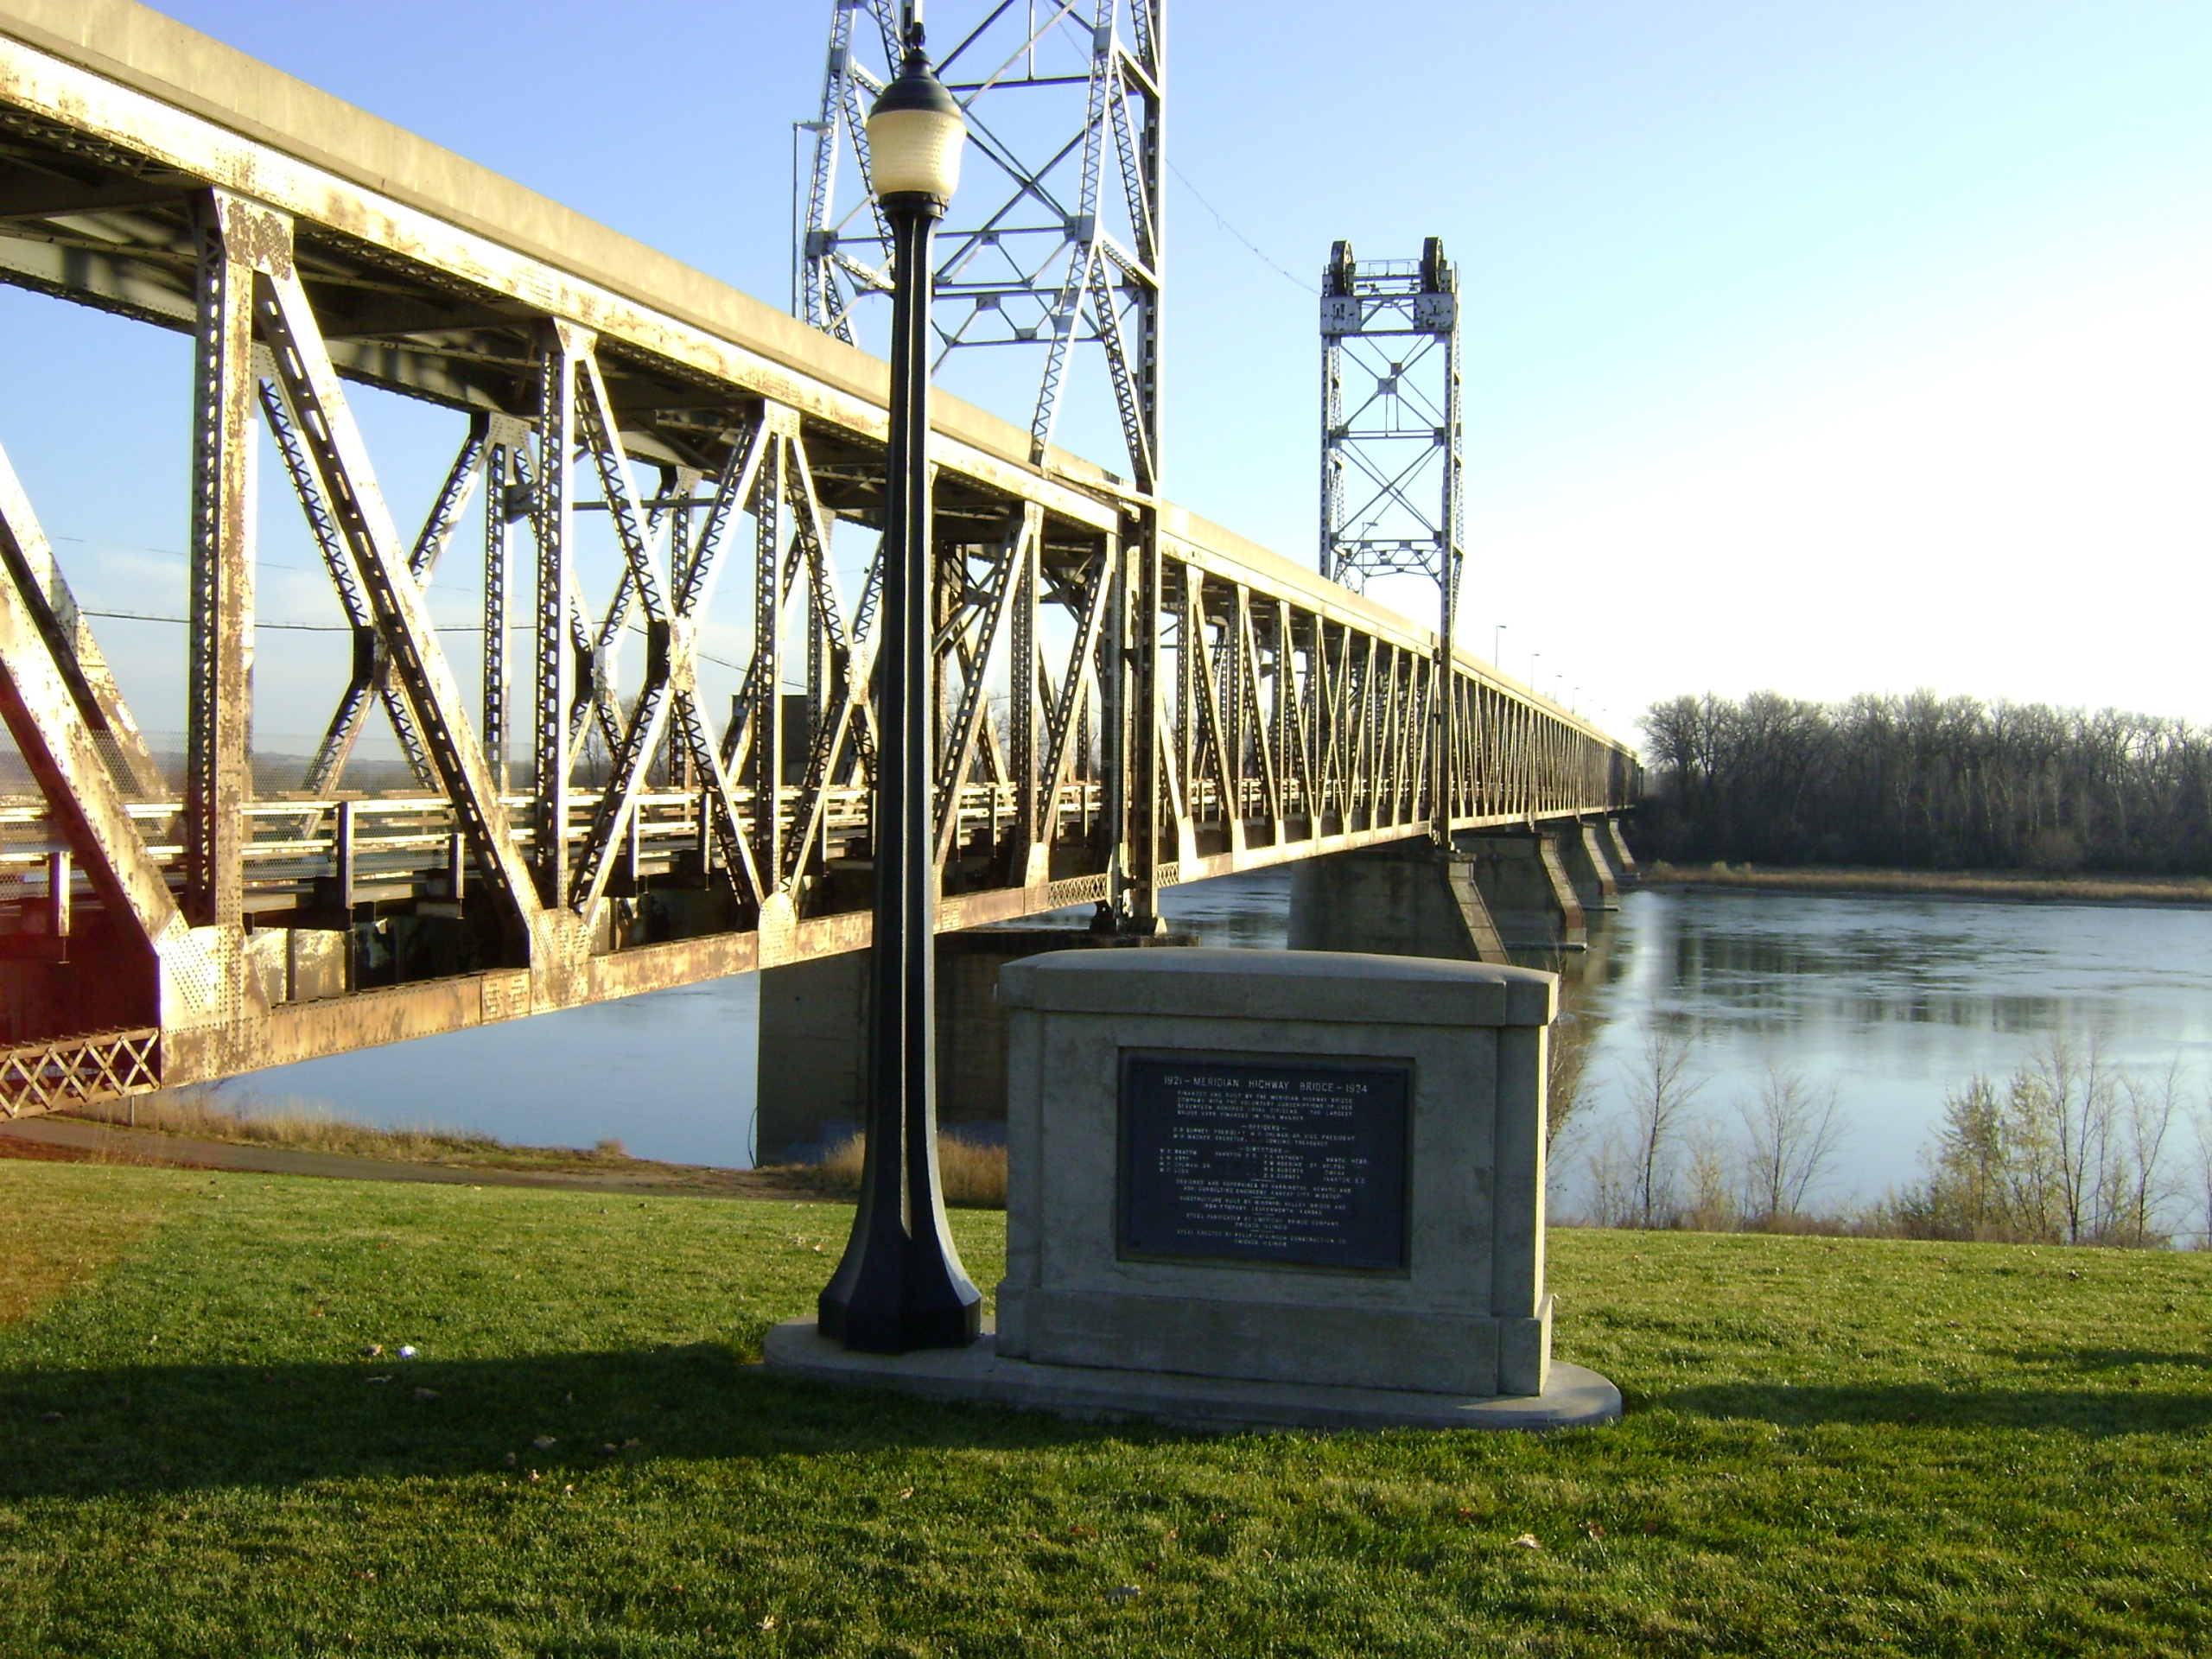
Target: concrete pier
{"x":1584,"y":851}
{"x":1523,"y":877}
{"x":1494,"y":895}
{"x":1623,"y":860}
{"x":811,"y":1070}
{"x":1408,"y":899}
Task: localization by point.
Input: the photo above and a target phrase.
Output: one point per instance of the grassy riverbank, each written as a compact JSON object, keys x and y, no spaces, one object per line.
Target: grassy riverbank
{"x":205,"y":1115}
{"x":176,"y":1127}
{"x":208,"y":1443}
{"x":2009,"y":884}
{"x":974,"y":1173}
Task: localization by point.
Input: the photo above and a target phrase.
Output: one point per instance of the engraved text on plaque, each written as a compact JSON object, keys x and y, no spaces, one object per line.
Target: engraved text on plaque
{"x":1296,"y":1163}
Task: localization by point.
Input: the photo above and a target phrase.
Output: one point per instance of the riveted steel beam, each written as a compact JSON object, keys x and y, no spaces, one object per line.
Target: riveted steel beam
{"x":1179,"y":703}
{"x":402,"y":619}
{"x":219,"y":708}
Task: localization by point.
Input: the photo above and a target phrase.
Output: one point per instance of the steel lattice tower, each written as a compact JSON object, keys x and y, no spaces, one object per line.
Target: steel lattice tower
{"x":1054,"y":240}
{"x":1390,"y":419}
{"x":1390,"y":467}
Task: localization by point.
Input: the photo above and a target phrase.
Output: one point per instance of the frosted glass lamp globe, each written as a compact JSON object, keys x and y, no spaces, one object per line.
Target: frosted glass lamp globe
{"x":915,"y":133}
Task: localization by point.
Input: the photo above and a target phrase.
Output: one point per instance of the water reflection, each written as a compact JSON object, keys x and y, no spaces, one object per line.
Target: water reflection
{"x":1894,"y":1000}
{"x":669,"y":1075}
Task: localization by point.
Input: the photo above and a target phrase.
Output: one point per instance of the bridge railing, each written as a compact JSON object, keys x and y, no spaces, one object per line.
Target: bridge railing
{"x":1129,"y":697}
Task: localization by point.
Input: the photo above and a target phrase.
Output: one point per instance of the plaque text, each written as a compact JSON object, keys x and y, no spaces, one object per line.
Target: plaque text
{"x":1294,"y":1163}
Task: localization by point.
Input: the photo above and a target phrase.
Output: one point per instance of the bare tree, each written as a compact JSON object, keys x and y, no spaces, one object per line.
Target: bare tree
{"x":2075,"y":1092}
{"x":1969,"y":1193}
{"x":1611,"y":1169}
{"x":2143,"y":1183}
{"x":2034,"y":1208}
{"x":1566,"y":1059}
{"x":1925,"y":781}
{"x":1792,"y":1134}
{"x":2070,"y":1150}
{"x":2202,"y":1170}
{"x":1709,"y":1202}
{"x":1660,"y":1089}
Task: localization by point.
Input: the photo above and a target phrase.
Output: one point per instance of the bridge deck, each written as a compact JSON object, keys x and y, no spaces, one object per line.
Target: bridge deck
{"x":1131,"y":696}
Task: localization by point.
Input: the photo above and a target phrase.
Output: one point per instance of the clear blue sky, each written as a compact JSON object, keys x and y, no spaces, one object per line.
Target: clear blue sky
{"x":1822,"y":346}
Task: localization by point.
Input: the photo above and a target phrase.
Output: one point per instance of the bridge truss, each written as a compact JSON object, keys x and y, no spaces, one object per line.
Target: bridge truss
{"x":1129,"y":697}
{"x":1055,"y":240}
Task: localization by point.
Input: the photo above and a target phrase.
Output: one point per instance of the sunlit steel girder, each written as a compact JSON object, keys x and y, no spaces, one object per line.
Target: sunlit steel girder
{"x":1129,"y":697}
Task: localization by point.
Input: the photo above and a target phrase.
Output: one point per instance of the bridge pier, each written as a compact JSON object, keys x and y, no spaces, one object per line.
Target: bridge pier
{"x":810,"y":1072}
{"x":1589,"y":863}
{"x":809,"y":1068}
{"x":1405,"y":898}
{"x":1524,"y":879}
{"x":1496,"y":893}
{"x":1623,"y":860}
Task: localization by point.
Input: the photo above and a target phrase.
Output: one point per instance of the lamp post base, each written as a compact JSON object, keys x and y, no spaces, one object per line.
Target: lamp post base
{"x":899,"y":1330}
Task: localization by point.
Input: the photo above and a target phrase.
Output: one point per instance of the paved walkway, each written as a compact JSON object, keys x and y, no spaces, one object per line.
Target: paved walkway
{"x":69,"y":1137}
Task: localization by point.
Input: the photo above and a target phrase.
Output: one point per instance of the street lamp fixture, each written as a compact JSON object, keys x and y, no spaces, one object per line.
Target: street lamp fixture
{"x":915,"y":133}
{"x":900,"y":1286}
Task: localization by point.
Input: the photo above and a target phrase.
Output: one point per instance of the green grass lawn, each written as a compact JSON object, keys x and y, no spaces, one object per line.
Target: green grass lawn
{"x":1832,"y":1447}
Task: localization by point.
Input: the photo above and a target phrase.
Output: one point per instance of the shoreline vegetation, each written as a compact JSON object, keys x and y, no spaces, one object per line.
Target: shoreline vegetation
{"x":2008,"y":886}
{"x":294,"y":1126}
{"x":2070,"y":1150}
{"x":974,"y":1173}
{"x":180,"y":1116}
{"x":1926,"y":782}
{"x":2067,"y":1152}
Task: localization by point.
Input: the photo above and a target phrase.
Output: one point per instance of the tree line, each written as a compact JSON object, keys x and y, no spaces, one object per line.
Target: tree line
{"x":1923,"y":782}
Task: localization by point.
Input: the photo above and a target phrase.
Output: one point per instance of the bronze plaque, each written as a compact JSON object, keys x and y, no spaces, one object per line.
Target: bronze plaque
{"x":1302,"y":1162}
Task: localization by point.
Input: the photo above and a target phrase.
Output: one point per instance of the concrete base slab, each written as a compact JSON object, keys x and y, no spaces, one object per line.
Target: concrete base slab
{"x":1576,"y":1399}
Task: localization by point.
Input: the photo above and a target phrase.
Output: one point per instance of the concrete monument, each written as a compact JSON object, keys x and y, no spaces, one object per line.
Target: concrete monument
{"x":1294,"y":1187}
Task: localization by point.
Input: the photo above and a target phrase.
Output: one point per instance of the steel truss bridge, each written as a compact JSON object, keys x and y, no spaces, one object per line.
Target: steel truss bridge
{"x":1130,"y":697}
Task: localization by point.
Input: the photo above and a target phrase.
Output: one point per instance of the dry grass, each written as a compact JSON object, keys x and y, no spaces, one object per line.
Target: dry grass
{"x":974,"y":1175}
{"x":42,"y":1151}
{"x":296,"y":1126}
{"x":1960,"y":884}
{"x":180,"y":1119}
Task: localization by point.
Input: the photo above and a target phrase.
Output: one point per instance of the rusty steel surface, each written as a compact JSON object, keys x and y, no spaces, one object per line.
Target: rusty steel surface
{"x":1127,"y":697}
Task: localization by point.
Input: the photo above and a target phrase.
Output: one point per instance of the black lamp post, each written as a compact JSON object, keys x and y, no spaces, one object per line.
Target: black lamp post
{"x":901,"y":1285}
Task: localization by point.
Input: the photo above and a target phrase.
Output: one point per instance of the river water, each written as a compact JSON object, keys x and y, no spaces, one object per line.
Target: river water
{"x":1892,"y":1001}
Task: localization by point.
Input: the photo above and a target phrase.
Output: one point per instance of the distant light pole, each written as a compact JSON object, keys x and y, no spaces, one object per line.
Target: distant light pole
{"x":901,"y":1285}
{"x":1497,"y":646}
